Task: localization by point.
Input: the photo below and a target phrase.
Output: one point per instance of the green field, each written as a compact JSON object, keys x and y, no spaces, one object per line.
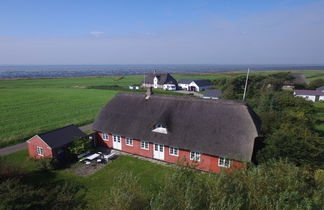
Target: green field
{"x":98,"y":184}
{"x":31,"y":106}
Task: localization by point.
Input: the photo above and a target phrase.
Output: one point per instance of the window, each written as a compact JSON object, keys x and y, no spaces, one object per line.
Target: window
{"x":105,"y":136}
{"x":195,"y":156}
{"x":223,"y":162}
{"x":129,"y":141}
{"x":174,"y":151}
{"x":116,"y":138}
{"x":40,"y":151}
{"x":144,"y":145}
{"x":159,"y":128}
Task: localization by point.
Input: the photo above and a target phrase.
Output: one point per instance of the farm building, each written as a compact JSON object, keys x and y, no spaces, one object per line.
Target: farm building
{"x":159,"y":80}
{"x":194,"y":85}
{"x":310,"y":95}
{"x":53,"y":144}
{"x":214,"y":134}
{"x":212,"y":94}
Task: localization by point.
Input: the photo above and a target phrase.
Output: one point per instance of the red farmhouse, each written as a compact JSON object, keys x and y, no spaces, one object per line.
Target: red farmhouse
{"x":214,"y":134}
{"x":53,"y":144}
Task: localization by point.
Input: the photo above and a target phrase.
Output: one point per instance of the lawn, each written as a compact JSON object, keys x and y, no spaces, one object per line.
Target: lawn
{"x":99,"y":183}
{"x":31,"y":106}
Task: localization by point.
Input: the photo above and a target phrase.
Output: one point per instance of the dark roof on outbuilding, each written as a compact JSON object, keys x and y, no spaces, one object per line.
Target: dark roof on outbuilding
{"x":163,"y":78}
{"x":320,"y":88}
{"x":212,"y":93}
{"x":215,"y":127}
{"x":61,"y":136}
{"x":309,"y":92}
{"x":202,"y":82}
{"x":185,"y":81}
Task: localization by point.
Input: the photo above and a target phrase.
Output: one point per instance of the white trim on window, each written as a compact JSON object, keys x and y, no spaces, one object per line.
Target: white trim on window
{"x":223,"y":162}
{"x":105,"y":136}
{"x":195,"y":156}
{"x":129,"y":141}
{"x":40,"y":151}
{"x":174,"y":151}
{"x":144,"y":145}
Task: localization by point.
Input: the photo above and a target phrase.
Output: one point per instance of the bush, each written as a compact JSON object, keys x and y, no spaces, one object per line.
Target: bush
{"x":9,"y":170}
{"x":125,"y":194}
{"x":47,"y":164}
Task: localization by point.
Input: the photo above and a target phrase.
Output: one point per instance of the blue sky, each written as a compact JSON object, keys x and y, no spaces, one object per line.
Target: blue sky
{"x":161,"y":32}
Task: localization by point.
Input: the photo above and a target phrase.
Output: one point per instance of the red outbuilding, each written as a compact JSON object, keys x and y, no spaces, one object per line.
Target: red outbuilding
{"x":213,"y":134}
{"x":53,"y":144}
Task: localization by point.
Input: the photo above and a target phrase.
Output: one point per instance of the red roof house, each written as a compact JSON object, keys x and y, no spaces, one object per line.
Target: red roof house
{"x":53,"y":144}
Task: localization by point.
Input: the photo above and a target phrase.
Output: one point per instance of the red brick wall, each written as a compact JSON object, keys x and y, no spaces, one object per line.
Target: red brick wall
{"x":32,"y":148}
{"x":206,"y":163}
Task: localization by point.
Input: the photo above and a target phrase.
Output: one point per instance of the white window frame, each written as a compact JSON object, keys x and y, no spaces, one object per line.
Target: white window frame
{"x":117,"y":137}
{"x":40,"y":151}
{"x":105,"y":136}
{"x":172,"y":151}
{"x":129,"y":141}
{"x":196,"y":156}
{"x":145,"y":145}
{"x":222,"y":162}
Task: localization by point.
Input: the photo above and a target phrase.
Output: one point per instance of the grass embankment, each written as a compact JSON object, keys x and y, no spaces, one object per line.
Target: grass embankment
{"x":319,"y":117}
{"x":31,"y":106}
{"x":98,"y":184}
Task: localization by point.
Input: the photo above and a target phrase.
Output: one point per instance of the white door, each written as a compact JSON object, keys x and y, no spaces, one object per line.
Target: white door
{"x":117,"y":142}
{"x":158,"y":152}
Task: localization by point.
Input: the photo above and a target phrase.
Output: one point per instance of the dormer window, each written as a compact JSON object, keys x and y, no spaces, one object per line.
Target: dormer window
{"x":159,"y":128}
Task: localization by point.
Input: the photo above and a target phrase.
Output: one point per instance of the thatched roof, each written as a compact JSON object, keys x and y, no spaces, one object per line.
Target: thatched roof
{"x":163,"y":78}
{"x":215,"y":127}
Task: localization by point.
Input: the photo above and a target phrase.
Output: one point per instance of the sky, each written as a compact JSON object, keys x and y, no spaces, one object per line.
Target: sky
{"x":44,"y":32}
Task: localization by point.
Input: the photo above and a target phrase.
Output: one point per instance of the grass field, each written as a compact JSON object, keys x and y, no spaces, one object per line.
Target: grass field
{"x":31,"y":106}
{"x":99,"y":183}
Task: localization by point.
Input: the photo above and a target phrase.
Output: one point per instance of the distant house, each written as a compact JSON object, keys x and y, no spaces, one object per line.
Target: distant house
{"x":212,"y":94}
{"x":53,"y":144}
{"x":157,"y":80}
{"x":310,"y":95}
{"x":194,"y":84}
{"x":214,"y":134}
{"x":320,"y":89}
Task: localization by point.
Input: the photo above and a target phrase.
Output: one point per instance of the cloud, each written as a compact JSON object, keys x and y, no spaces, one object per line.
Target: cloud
{"x":96,"y":33}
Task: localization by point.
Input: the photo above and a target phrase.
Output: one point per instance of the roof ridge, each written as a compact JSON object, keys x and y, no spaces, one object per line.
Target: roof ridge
{"x":187,"y":98}
{"x":57,"y":129}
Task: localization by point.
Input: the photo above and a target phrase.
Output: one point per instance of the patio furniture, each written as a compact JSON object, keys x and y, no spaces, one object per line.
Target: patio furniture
{"x":98,"y":160}
{"x":92,"y":157}
{"x":111,"y":155}
{"x":87,"y":162}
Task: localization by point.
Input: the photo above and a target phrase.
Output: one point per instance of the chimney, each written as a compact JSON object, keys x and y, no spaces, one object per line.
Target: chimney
{"x":149,"y":92}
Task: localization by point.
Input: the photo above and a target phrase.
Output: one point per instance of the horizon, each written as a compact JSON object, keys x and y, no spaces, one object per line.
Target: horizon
{"x":280,"y":32}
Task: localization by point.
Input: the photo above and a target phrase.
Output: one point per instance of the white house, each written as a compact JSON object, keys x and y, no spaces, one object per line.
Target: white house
{"x":310,"y":95}
{"x":194,"y":85}
{"x":157,"y":80}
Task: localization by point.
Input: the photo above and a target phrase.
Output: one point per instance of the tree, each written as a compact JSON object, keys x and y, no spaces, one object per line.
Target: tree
{"x":297,"y":143}
{"x":80,"y":145}
{"x":315,"y":84}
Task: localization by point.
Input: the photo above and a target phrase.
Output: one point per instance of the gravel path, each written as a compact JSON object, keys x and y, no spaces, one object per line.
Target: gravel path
{"x":22,"y":146}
